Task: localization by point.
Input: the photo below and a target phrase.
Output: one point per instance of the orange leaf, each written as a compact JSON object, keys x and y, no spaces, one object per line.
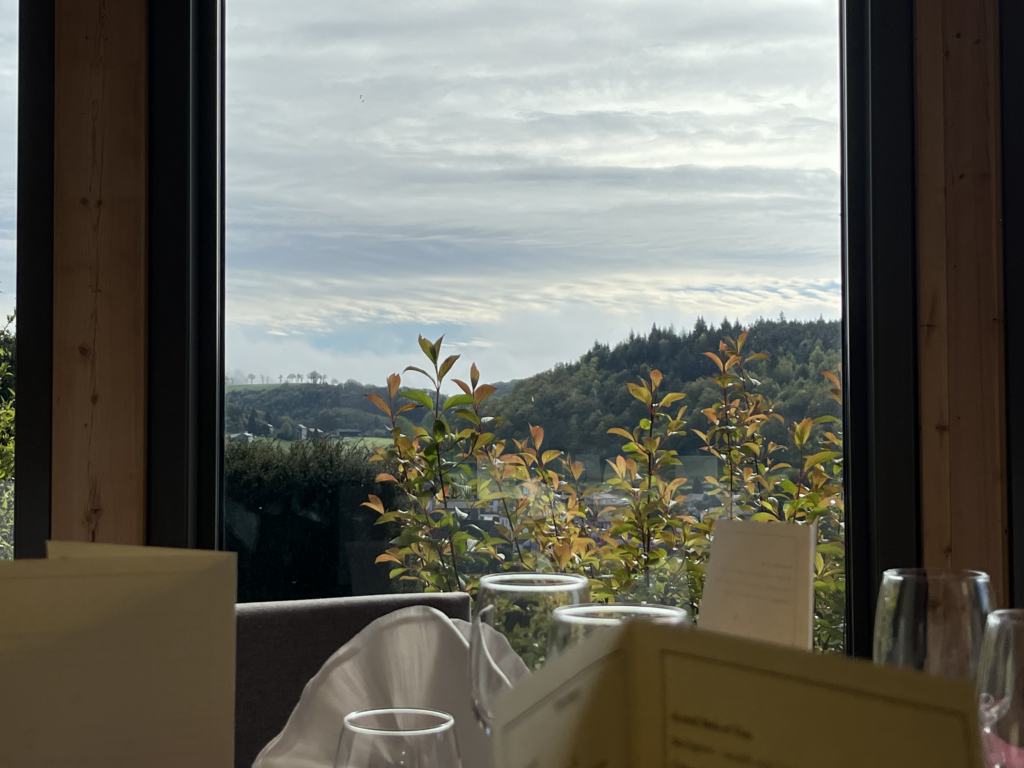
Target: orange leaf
{"x":375,"y":504}
{"x":717,"y":359}
{"x":484,"y":391}
{"x":394,"y":380}
{"x":385,"y":477}
{"x":549,"y":455}
{"x":621,"y":432}
{"x":379,"y":402}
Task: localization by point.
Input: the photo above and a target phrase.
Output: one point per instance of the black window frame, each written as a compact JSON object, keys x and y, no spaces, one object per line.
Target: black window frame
{"x":186,"y":293}
{"x":1011,"y":67}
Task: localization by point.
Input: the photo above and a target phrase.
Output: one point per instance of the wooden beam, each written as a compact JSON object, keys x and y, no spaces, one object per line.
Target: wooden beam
{"x":960,"y":339}
{"x":99,"y":307}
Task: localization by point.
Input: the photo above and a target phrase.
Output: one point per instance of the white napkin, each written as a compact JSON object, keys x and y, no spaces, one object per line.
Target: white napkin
{"x":414,"y":657}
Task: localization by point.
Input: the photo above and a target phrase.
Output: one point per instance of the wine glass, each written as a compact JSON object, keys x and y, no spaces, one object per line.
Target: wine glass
{"x":388,"y":738}
{"x":513,"y":619}
{"x":571,"y":623}
{"x":1001,"y":689}
{"x":932,"y":620}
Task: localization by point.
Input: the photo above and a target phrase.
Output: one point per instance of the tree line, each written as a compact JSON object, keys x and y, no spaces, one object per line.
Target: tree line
{"x":578,"y":402}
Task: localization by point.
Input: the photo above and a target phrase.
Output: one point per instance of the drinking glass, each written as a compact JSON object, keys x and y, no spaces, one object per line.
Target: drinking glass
{"x":513,"y":614}
{"x":1001,"y":689}
{"x":932,"y":620}
{"x":388,"y":738}
{"x":571,"y":623}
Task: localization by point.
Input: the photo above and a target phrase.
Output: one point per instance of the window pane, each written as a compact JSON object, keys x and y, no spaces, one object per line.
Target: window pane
{"x":591,"y":202}
{"x":8,"y":195}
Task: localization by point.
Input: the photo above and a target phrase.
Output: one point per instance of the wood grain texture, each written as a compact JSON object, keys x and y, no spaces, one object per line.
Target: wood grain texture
{"x":961,"y":354}
{"x":99,"y":309}
{"x":933,"y":328}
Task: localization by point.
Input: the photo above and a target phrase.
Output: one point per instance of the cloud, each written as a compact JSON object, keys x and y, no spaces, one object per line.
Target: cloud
{"x":508,"y":169}
{"x":358,"y":330}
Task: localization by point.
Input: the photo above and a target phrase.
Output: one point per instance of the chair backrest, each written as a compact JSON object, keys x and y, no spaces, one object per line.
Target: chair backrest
{"x":282,"y":645}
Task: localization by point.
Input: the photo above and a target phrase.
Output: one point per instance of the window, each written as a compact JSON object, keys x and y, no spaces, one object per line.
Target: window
{"x":576,"y":199}
{"x":8,"y":190}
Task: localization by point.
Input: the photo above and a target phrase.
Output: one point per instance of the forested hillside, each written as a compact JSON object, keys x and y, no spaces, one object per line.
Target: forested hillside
{"x":578,"y":402}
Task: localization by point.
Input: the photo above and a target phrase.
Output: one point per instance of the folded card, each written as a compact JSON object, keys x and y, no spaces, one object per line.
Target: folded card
{"x":760,"y":582}
{"x":117,"y":656}
{"x":652,"y":696}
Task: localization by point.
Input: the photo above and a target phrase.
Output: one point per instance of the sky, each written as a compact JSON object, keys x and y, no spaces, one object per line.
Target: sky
{"x":524,"y":176}
{"x":8,"y":149}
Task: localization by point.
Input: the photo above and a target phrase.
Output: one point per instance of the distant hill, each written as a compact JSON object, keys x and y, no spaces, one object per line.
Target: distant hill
{"x":578,"y":402}
{"x":324,"y":406}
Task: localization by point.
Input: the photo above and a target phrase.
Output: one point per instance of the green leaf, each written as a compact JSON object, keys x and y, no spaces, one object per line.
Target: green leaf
{"x":428,"y":349}
{"x":820,"y":458}
{"x":436,"y":348}
{"x":801,"y":432}
{"x":640,"y":393}
{"x":419,"y":396}
{"x":831,"y":549}
{"x":457,"y":401}
{"x":447,"y":366}
{"x":468,"y":415}
{"x":671,"y":397}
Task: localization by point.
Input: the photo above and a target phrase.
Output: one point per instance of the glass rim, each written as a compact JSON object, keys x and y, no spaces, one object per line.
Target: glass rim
{"x":532,"y":582}
{"x":935,"y":574}
{"x":1009,"y":615}
{"x":446,"y":721}
{"x":582,"y":614}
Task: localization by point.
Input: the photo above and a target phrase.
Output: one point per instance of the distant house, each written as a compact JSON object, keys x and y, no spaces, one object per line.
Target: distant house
{"x":241,"y":437}
{"x":308,"y":433}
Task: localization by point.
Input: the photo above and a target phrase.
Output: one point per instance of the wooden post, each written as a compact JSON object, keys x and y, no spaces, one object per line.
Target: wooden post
{"x":960,"y":289}
{"x":99,"y":291}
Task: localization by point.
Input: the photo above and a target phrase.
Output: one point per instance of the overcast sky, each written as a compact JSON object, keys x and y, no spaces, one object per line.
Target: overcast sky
{"x":8,"y":149}
{"x":525,"y":176}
